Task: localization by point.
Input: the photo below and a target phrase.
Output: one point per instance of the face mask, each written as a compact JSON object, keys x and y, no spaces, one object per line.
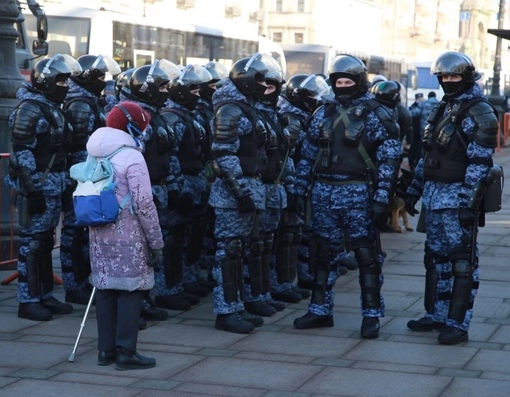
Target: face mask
{"x":162,"y":98}
{"x":345,"y":92}
{"x":192,"y":103}
{"x":453,"y":87}
{"x":59,"y":95}
{"x":97,"y":87}
{"x":259,"y":91}
{"x":206,"y":92}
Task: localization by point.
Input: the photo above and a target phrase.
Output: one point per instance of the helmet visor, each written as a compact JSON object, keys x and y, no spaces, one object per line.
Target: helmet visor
{"x":316,"y":86}
{"x":106,"y":64}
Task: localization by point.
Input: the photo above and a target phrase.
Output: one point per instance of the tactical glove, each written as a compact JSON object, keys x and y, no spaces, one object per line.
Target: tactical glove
{"x":380,"y":213}
{"x":36,"y":202}
{"x":245,"y":204}
{"x":155,"y":257}
{"x":466,"y":217}
{"x":410,"y":202}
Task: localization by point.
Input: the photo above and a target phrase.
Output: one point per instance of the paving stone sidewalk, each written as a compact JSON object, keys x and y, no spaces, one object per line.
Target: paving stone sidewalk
{"x":194,"y":359}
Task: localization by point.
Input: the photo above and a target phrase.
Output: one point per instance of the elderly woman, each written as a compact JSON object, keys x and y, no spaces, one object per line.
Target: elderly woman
{"x":122,"y":252}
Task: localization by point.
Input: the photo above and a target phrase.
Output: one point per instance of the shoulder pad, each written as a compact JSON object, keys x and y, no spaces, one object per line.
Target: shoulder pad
{"x":171,"y":118}
{"x":488,"y":126}
{"x":26,"y":118}
{"x":79,"y":105}
{"x":225,"y":123}
{"x":482,"y":107}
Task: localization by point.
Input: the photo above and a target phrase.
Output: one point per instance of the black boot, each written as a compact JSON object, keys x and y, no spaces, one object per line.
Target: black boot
{"x":142,"y":324}
{"x":106,"y":357}
{"x":305,"y":294}
{"x":191,"y":298}
{"x":452,"y":336}
{"x":233,"y":322}
{"x":34,"y":311}
{"x":260,"y":308}
{"x":55,"y":306}
{"x":80,"y":296}
{"x":172,"y":302}
{"x":289,"y":296}
{"x":127,"y":360}
{"x":150,"y":312}
{"x":278,"y":305}
{"x":370,"y":328}
{"x":256,"y":321}
{"x":311,"y":320}
{"x":196,"y":289}
{"x":425,"y":324}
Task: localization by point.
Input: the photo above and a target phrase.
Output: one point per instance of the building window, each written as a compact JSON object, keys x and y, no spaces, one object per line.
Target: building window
{"x":279,"y":5}
{"x":277,"y":37}
{"x":298,"y":38}
{"x":300,"y":5}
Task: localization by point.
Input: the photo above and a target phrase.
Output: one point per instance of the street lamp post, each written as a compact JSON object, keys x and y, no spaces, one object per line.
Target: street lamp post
{"x":495,"y":91}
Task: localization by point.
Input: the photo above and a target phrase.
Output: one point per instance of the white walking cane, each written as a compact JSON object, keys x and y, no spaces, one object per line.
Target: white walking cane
{"x":71,"y":356}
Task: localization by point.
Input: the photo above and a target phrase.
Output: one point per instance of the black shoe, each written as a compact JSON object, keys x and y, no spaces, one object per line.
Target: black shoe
{"x":452,"y":336}
{"x":278,"y":305}
{"x":370,"y":328}
{"x":55,"y":306}
{"x":172,"y":302}
{"x":196,"y":289}
{"x":192,"y":299}
{"x":289,"y":296}
{"x":305,"y":294}
{"x":425,"y":324}
{"x":256,"y":321}
{"x":233,"y":322}
{"x":106,"y":357}
{"x":260,"y":308}
{"x":305,"y":284}
{"x":132,"y":360}
{"x":152,"y":313}
{"x":311,"y":320}
{"x":34,"y":311}
{"x":142,"y":324}
{"x":80,"y":296}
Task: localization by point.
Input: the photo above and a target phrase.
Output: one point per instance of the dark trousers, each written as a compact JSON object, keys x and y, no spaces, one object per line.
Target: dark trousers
{"x":117,"y":314}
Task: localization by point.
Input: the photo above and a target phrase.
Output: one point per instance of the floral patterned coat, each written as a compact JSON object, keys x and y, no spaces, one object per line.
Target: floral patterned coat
{"x":119,"y":251}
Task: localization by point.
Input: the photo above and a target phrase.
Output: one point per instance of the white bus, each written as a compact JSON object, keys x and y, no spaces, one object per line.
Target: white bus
{"x":134,"y":41}
{"x":316,"y":58}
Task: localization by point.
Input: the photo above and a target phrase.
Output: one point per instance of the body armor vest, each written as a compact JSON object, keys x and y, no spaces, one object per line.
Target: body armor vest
{"x":252,"y":147}
{"x":54,"y":141}
{"x":190,"y":153}
{"x":158,"y":149}
{"x":338,"y":143}
{"x":277,"y":154}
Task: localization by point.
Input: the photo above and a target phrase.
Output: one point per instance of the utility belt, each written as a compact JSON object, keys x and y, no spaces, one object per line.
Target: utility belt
{"x":446,"y":171}
{"x":334,"y":182}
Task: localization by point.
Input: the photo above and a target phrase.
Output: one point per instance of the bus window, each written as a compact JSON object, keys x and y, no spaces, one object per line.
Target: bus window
{"x":199,"y":48}
{"x":143,"y":57}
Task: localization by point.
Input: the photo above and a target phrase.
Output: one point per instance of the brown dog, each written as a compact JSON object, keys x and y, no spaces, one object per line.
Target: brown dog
{"x":397,"y":206}
{"x":398,"y":210}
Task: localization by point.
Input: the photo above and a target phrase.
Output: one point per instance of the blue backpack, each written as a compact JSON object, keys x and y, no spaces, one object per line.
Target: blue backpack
{"x":94,"y":199}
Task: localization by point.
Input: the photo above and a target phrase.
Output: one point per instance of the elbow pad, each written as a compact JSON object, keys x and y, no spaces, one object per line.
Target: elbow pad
{"x":225,"y":123}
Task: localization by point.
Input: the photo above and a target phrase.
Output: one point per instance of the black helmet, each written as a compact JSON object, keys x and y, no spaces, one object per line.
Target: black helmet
{"x":305,"y":91}
{"x":349,"y":66}
{"x":387,"y":93}
{"x":451,"y":63}
{"x":122,"y":84}
{"x":218,"y":72}
{"x":94,"y":67}
{"x":248,"y":72}
{"x":146,"y":80}
{"x":50,"y":70}
{"x":274,"y":77}
{"x":47,"y":72}
{"x":190,"y":79}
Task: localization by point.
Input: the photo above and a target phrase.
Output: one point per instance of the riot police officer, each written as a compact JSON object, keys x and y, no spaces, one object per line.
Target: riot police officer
{"x":354,"y":154}
{"x":40,"y":140}
{"x":238,"y":149}
{"x":85,"y":112}
{"x":184,"y":224}
{"x":458,"y":142}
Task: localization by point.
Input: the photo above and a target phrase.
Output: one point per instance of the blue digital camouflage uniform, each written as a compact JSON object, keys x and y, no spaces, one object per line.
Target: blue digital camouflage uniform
{"x":74,"y":247}
{"x":340,"y":208}
{"x":42,"y":226}
{"x":230,"y":224}
{"x":190,"y":194}
{"x":441,"y":202}
{"x":304,"y":272}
